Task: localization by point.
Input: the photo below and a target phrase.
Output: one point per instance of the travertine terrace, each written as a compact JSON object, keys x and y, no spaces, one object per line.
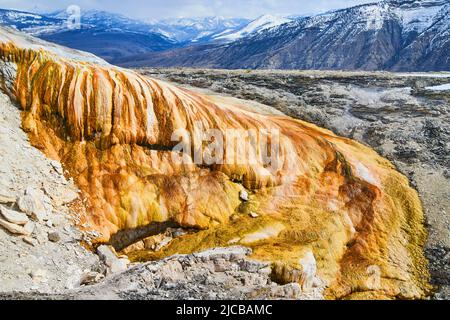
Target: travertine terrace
{"x":332,"y":201}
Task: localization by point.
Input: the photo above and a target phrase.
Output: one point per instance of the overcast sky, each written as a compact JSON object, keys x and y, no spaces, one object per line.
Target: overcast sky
{"x":159,"y":9}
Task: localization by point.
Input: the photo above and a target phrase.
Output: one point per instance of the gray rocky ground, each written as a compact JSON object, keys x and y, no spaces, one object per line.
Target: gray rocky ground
{"x":221,"y":273}
{"x":393,"y":113}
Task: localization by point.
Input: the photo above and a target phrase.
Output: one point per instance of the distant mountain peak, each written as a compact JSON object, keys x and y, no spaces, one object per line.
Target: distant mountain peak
{"x":263,"y":22}
{"x":197,"y":29}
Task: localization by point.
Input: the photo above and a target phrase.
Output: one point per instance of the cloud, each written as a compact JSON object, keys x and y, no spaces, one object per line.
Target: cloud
{"x":157,"y":9}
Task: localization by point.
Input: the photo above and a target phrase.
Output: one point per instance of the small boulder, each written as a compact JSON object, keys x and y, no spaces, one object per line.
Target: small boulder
{"x":119,"y":265}
{"x":221,"y":265}
{"x":73,"y":281}
{"x":178,"y":233}
{"x":29,"y":227}
{"x":243,"y":195}
{"x":60,"y":196}
{"x":254,"y":215}
{"x":164,"y":242}
{"x":138,"y":246}
{"x":108,"y":255}
{"x":30,"y":241}
{"x":35,"y":204}
{"x":90,"y":278}
{"x":54,"y":236}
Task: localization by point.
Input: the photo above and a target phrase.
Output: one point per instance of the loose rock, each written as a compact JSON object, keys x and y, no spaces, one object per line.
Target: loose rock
{"x":14,"y":216}
{"x":35,"y":204}
{"x":119,"y":265}
{"x":54,"y":236}
{"x":14,"y":228}
{"x":90,"y":278}
{"x":30,"y":241}
{"x":243,"y":195}
{"x":4,"y":199}
{"x":108,"y":255}
{"x":254,"y":215}
{"x":29,"y":227}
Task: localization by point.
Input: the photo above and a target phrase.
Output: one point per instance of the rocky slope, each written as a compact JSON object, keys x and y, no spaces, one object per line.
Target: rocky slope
{"x":387,"y":35}
{"x":405,"y":117}
{"x":330,"y":208}
{"x":40,"y":248}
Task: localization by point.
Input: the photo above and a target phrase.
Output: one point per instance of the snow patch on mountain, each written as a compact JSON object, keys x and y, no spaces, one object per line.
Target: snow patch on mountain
{"x":417,"y":18}
{"x":374,"y":16}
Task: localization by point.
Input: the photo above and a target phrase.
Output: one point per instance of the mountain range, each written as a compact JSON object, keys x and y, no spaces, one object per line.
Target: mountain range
{"x":389,"y":35}
{"x":114,"y":36}
{"x":107,"y":35}
{"x":395,"y":35}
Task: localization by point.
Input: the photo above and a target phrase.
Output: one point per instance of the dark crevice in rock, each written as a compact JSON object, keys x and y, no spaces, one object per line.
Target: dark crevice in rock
{"x":127,"y":237}
{"x":156,"y":147}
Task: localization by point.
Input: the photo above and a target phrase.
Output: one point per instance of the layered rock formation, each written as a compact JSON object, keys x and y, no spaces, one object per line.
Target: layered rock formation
{"x":332,"y":208}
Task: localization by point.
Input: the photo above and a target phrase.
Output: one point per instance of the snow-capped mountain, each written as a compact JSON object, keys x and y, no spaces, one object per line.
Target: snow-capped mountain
{"x":110,"y":36}
{"x":406,"y":35}
{"x":201,"y":29}
{"x":31,"y":23}
{"x":262,"y":23}
{"x":114,"y":36}
{"x":207,"y":29}
{"x":181,"y":30}
{"x":106,"y":21}
{"x":416,"y":16}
